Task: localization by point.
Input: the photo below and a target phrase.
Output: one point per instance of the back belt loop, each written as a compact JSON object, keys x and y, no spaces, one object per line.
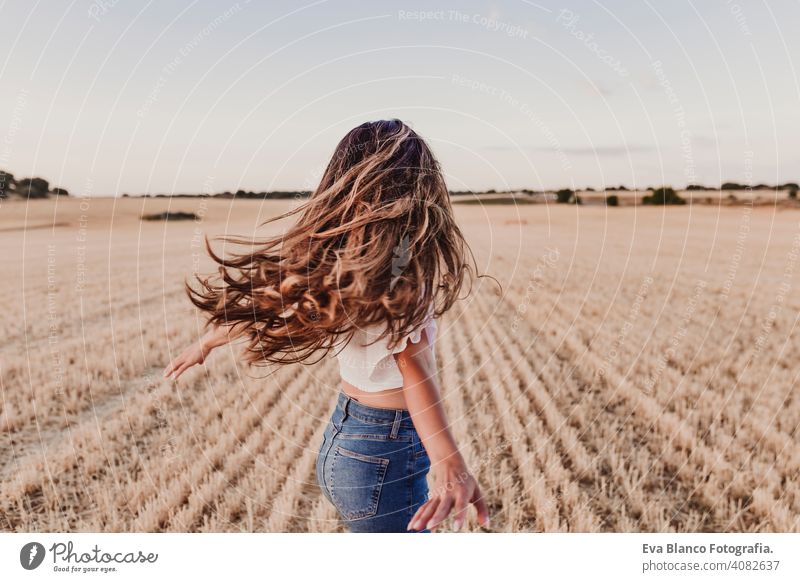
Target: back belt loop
{"x":398,"y":416}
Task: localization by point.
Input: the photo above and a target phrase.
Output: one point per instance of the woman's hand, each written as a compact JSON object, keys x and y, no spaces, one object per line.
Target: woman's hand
{"x":193,"y":355}
{"x":455,"y":490}
{"x":198,"y":351}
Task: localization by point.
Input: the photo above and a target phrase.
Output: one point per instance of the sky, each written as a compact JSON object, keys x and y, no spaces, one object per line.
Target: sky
{"x":107,"y":97}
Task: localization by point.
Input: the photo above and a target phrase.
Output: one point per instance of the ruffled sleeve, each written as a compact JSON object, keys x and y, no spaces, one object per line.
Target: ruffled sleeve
{"x":381,"y":365}
{"x":415,"y":336}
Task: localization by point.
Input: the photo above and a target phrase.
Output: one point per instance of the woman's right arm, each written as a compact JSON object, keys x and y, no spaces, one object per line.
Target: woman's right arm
{"x":198,"y":351}
{"x":454,"y":486}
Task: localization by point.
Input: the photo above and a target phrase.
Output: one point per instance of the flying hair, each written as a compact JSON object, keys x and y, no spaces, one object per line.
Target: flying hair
{"x":375,"y":244}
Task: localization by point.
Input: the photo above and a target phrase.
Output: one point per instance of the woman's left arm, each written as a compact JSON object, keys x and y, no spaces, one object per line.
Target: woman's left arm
{"x":454,"y":486}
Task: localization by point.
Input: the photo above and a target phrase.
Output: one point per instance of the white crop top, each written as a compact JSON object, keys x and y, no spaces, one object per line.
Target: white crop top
{"x":372,"y":368}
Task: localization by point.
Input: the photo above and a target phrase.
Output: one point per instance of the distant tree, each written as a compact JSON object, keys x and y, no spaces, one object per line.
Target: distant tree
{"x":695,"y":187}
{"x":612,"y":200}
{"x":249,"y":194}
{"x":60,"y":192}
{"x":790,"y":186}
{"x":590,"y":189}
{"x":491,"y":191}
{"x":732,"y":186}
{"x":663,"y":196}
{"x":793,"y":194}
{"x":621,"y":187}
{"x":565,"y":196}
{"x":33,"y":188}
{"x":6,"y":183}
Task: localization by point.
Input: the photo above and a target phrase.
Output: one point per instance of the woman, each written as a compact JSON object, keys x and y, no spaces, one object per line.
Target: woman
{"x":373,"y":259}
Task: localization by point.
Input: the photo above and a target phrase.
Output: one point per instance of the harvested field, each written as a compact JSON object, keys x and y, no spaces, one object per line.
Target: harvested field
{"x":636,"y":374}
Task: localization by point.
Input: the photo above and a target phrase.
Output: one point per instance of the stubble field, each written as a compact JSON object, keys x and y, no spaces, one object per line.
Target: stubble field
{"x":637,"y":373}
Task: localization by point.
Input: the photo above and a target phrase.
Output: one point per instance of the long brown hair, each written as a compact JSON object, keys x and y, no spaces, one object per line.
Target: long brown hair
{"x":375,"y":243}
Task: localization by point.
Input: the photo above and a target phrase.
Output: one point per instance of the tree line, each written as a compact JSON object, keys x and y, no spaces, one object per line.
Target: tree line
{"x":27,"y":187}
{"x":40,"y":188}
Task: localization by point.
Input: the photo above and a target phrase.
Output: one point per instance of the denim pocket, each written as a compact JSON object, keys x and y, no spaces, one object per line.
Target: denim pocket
{"x":356,"y":480}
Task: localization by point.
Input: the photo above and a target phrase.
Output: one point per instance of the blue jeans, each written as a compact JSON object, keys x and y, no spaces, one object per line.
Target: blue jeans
{"x":372,"y":467}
